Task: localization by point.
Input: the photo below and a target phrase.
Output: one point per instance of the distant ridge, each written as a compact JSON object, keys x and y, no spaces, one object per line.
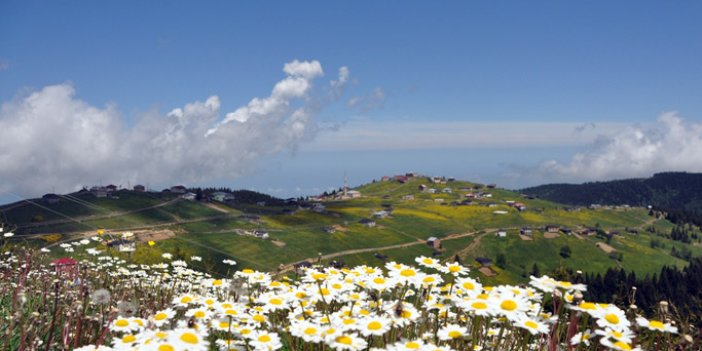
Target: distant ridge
{"x":677,"y":193}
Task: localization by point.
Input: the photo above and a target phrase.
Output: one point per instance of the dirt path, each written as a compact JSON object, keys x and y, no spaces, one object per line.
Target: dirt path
{"x":289,"y":266}
{"x":472,"y":246}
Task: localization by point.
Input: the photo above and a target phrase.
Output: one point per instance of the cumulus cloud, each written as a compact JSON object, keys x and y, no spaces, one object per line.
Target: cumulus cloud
{"x":4,"y":64}
{"x":367,"y":103}
{"x":51,"y":139}
{"x":672,"y":144}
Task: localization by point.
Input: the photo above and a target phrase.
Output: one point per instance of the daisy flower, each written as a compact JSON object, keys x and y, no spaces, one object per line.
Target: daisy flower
{"x":307,"y":331}
{"x":375,"y":325}
{"x":582,"y":337}
{"x":124,"y":325}
{"x":265,"y":341}
{"x":451,"y":332}
{"x":534,"y":326}
{"x":346,"y":341}
{"x":618,"y":345}
{"x":453,"y":268}
{"x":611,"y":317}
{"x":189,"y":339}
{"x":656,"y":325}
{"x":427,"y":261}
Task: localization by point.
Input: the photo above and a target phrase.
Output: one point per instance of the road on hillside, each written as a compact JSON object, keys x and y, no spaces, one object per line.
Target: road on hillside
{"x":290,"y":266}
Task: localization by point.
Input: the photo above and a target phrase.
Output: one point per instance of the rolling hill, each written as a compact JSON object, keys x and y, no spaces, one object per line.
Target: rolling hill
{"x":469,"y":221}
{"x":678,"y":193}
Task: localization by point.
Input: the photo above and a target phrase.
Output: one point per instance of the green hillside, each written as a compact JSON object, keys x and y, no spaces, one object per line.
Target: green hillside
{"x":465,"y":225}
{"x":677,"y":193}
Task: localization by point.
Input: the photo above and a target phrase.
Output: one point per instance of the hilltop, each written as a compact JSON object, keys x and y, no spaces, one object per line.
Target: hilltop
{"x":504,"y":234}
{"x":678,"y":193}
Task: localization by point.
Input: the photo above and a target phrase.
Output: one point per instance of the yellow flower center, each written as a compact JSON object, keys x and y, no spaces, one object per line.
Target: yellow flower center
{"x":128,"y":338}
{"x":319,"y":276}
{"x":374,"y":325}
{"x":189,"y":338}
{"x":186,"y":299}
{"x":612,"y":318}
{"x":427,"y":261}
{"x":454,"y":334}
{"x":378,"y":280}
{"x":408,"y":273}
{"x":406,"y":314}
{"x":275,"y":301}
{"x":622,"y":345}
{"x":122,"y":323}
{"x":349,"y":321}
{"x":479,"y":305}
{"x":310,"y":331}
{"x":166,"y":347}
{"x":531,"y":324}
{"x":199,"y":314}
{"x":587,"y":305}
{"x":244,"y":331}
{"x":412,"y":345}
{"x":468,"y":286}
{"x":454,"y":269}
{"x":230,"y":312}
{"x":508,"y":305}
{"x":336,"y":286}
{"x":428,"y":279}
{"x":247,"y":271}
{"x":656,"y":324}
{"x":344,"y":340}
{"x":160,"y":316}
{"x":264,"y":338}
{"x":217,"y":282}
{"x":224,"y":325}
{"x":259,"y":318}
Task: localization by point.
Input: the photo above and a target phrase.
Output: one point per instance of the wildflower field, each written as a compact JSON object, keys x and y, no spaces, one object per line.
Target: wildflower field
{"x":92,"y":299}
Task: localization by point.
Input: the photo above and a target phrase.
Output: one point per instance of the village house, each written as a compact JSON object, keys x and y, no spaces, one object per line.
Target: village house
{"x":447,"y":190}
{"x":189,"y":196}
{"x":222,"y":196}
{"x":139,"y":188}
{"x":353,"y":194}
{"x":484,"y":261}
{"x":525,"y":231}
{"x":367,"y":222}
{"x":381,"y":214}
{"x":261,"y":234}
{"x":434,"y":242}
{"x":501,"y":233}
{"x":329,"y":229}
{"x":111,"y":188}
{"x":99,"y":191}
{"x":178,"y":189}
{"x":408,"y":197}
{"x":385,"y":178}
{"x":402,"y":179}
{"x":422,"y":187}
{"x":550,"y":228}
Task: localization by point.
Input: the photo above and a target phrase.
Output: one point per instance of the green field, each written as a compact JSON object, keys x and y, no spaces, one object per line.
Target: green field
{"x":216,"y":231}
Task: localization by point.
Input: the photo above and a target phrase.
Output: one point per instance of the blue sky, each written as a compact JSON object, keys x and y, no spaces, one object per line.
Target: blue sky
{"x":610,"y":69}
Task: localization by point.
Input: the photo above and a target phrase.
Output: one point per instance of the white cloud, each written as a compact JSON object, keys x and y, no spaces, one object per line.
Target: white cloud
{"x":367,"y":103}
{"x":4,"y":64}
{"x":414,"y":135}
{"x":672,"y":144}
{"x":337,"y":86}
{"x":50,"y":139}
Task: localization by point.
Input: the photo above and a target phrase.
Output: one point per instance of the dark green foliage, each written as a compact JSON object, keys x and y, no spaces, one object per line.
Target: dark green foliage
{"x":565,"y":251}
{"x":681,"y":288}
{"x":501,"y":260}
{"x":676,"y":194}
